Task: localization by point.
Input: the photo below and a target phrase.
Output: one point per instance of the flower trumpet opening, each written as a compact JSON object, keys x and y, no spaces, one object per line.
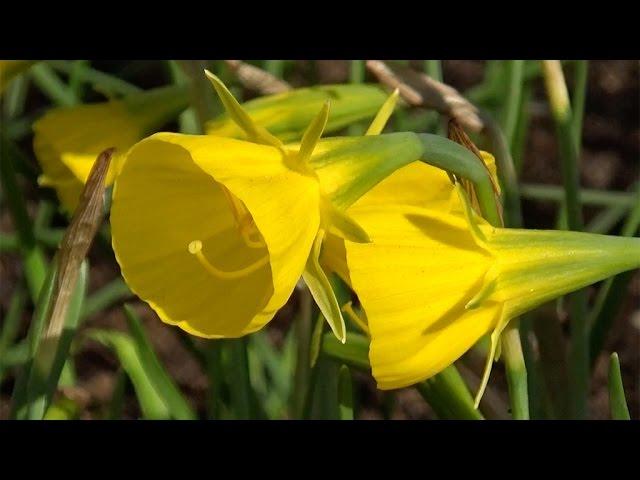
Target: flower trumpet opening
{"x":213,"y":233}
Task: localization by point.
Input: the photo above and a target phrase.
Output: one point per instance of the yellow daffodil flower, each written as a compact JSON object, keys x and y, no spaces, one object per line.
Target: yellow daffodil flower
{"x":436,"y":277}
{"x":287,"y":114}
{"x":215,"y":232}
{"x":68,"y":140}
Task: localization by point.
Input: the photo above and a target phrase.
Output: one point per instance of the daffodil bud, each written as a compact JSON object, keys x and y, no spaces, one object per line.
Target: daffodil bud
{"x":287,"y":115}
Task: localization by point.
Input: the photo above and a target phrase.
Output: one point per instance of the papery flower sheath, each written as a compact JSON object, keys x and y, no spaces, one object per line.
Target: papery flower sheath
{"x":215,"y":232}
{"x":67,"y":140}
{"x":432,"y":281}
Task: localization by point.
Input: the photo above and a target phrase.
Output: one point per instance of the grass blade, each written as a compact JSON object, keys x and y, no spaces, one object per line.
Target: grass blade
{"x":151,"y":403}
{"x":50,"y":84}
{"x":617,"y":401}
{"x":561,"y":111}
{"x":178,"y":407}
{"x":110,"y":294}
{"x":34,"y":261}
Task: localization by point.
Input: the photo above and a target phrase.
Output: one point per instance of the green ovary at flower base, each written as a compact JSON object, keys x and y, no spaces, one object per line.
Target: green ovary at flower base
{"x":215,"y":232}
{"x":436,"y":277}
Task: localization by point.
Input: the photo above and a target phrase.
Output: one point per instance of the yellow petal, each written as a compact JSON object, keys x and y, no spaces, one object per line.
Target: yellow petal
{"x":241,"y":201}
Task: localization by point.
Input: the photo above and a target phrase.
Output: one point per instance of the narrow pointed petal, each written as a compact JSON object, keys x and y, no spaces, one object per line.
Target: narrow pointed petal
{"x":254,"y":132}
{"x":313,"y":133}
{"x":343,"y":225}
{"x":322,"y":293}
{"x":383,"y":115}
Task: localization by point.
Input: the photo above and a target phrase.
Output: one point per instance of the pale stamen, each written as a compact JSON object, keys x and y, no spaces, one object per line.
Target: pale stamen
{"x":195,"y":248}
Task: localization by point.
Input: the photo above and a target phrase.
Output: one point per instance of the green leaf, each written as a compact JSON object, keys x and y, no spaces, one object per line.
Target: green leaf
{"x":151,"y":403}
{"x":617,"y":401}
{"x":177,"y":405}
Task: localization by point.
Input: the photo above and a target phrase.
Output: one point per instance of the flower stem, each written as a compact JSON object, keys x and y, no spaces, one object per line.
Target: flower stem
{"x":202,"y":97}
{"x":515,"y":80}
{"x":303,"y":365}
{"x":561,"y":111}
{"x":516,"y":371}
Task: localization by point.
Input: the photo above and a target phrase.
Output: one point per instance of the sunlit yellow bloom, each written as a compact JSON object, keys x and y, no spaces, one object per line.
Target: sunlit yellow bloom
{"x":286,"y":115}
{"x":68,"y":140}
{"x":10,"y":69}
{"x":433,"y":281}
{"x":215,"y":232}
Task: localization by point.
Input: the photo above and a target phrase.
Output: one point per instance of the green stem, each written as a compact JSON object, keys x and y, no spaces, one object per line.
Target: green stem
{"x":54,"y":88}
{"x":356,"y":75}
{"x":579,"y":97}
{"x":100,"y":80}
{"x":274,"y":67}
{"x":587,"y":196}
{"x":561,"y":110}
{"x":303,"y":366}
{"x":514,"y":83}
{"x":11,"y":324}
{"x":34,"y":261}
{"x":202,"y":95}
{"x":449,"y":396}
{"x":75,"y":78}
{"x":433,"y":68}
{"x":511,"y":344}
{"x":187,"y":120}
{"x":239,"y":381}
{"x":516,"y":371}
{"x":506,"y":172}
